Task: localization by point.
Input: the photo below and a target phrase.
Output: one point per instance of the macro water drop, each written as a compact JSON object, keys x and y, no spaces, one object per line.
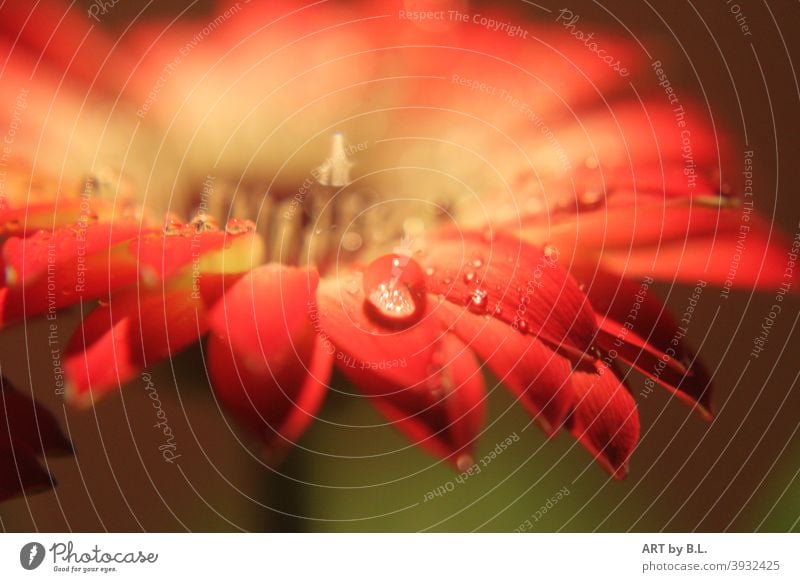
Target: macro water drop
{"x":394,"y":289}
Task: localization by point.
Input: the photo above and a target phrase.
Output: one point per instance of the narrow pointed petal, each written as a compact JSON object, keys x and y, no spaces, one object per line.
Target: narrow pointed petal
{"x":267,"y":365}
{"x":535,"y":374}
{"x":445,"y":415}
{"x":160,"y":256}
{"x":604,"y":419}
{"x":515,"y":282}
{"x":66,"y":41}
{"x":641,"y":330}
{"x":143,"y":325}
{"x":48,"y":271}
{"x":132,"y":332}
{"x":751,"y":259}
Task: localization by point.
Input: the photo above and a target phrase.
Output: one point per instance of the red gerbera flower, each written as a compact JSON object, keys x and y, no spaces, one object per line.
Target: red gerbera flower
{"x":516,"y":201}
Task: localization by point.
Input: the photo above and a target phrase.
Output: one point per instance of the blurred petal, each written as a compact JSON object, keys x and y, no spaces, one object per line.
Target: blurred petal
{"x":534,"y":373}
{"x":751,"y":259}
{"x":266,"y":364}
{"x":133,"y":331}
{"x":513,"y":282}
{"x":640,"y":328}
{"x":27,"y":430}
{"x":53,"y":270}
{"x":424,"y":380}
{"x":604,"y":419}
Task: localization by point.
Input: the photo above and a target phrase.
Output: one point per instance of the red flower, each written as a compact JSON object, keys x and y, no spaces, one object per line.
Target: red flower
{"x":519,"y":238}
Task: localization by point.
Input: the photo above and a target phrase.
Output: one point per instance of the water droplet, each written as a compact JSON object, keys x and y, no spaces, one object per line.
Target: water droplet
{"x":551,"y":252}
{"x":352,"y":287}
{"x":469,"y":277}
{"x":394,"y":286}
{"x":351,"y":241}
{"x":590,"y":199}
{"x":478,"y":301}
{"x":173,"y":226}
{"x":203,"y":223}
{"x":430,"y":271}
{"x":149,"y":276}
{"x":464,"y":462}
{"x":477,"y":263}
{"x":522,"y":326}
{"x":237,"y":226}
{"x":11,"y":276}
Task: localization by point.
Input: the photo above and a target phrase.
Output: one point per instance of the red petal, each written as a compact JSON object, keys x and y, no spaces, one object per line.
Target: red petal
{"x":604,"y":419}
{"x":517,"y":283}
{"x":66,"y":40}
{"x":533,"y":372}
{"x":266,"y":364}
{"x":161,"y":256}
{"x":27,"y":259}
{"x":636,"y":224}
{"x":422,"y":379}
{"x":364,"y":348}
{"x":643,"y":333}
{"x":755,"y":259}
{"x":48,"y":271}
{"x":633,"y":135}
{"x":446,"y":415}
{"x":133,"y":331}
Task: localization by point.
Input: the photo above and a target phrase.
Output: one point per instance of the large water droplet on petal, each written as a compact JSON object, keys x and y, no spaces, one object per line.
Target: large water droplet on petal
{"x":394,"y":286}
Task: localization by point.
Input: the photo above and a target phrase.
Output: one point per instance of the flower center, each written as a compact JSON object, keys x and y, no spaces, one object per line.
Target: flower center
{"x":322,"y":220}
